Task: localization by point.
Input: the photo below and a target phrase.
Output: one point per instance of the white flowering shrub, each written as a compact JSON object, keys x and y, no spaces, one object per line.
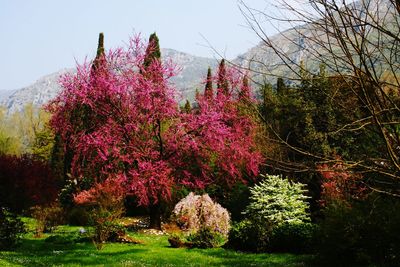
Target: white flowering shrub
{"x":276,"y":218}
{"x":276,"y":200}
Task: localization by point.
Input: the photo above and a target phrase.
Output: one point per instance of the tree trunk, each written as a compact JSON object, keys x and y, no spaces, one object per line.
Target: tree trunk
{"x":155,"y":216}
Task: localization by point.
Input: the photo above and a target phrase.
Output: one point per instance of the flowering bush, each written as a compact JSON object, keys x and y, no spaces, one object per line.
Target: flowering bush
{"x":195,"y":212}
{"x":203,"y":222}
{"x":275,"y":203}
{"x":276,"y":200}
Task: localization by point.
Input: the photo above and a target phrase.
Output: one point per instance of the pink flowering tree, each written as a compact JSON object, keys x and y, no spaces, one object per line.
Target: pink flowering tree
{"x":123,"y":124}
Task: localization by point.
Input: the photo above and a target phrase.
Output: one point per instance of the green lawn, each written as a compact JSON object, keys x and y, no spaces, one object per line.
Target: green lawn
{"x":154,"y":252}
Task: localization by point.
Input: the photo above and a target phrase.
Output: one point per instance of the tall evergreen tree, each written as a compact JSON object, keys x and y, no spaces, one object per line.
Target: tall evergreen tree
{"x":100,"y":56}
{"x":280,"y":87}
{"x":152,"y":51}
{"x":222,"y":82}
{"x":187,"y":108}
{"x":208,"y":91}
{"x":245,"y":89}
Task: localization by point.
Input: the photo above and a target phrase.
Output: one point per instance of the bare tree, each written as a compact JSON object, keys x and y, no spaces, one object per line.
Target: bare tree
{"x":359,"y":43}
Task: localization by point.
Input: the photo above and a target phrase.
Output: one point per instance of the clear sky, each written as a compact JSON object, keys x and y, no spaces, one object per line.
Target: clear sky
{"x":39,"y":37}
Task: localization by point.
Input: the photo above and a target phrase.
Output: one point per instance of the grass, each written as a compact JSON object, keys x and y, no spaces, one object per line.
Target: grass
{"x":154,"y":252}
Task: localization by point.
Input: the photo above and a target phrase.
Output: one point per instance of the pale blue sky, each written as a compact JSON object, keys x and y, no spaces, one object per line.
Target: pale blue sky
{"x":39,"y":37}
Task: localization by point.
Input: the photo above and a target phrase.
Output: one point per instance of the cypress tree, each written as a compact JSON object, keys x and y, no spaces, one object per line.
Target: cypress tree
{"x":187,"y":108}
{"x":152,"y":51}
{"x":222,"y":83}
{"x":100,"y":55}
{"x":100,"y":46}
{"x":245,"y":88}
{"x":280,"y":86}
{"x":208,"y":90}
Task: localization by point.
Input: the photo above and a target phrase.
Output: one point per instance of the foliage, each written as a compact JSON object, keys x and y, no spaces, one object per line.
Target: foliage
{"x":177,"y":241}
{"x":66,"y":195}
{"x":79,"y":216}
{"x":19,"y":130}
{"x":9,"y":143}
{"x":223,"y":81}
{"x":247,"y":235}
{"x":106,"y":205}
{"x":351,"y":107}
{"x":235,"y":200}
{"x":311,"y":122}
{"x":276,"y":200}
{"x":25,"y":182}
{"x":293,"y":237}
{"x":43,"y":144}
{"x":340,"y":184}
{"x":107,"y":230}
{"x":187,"y":108}
{"x":11,"y":229}
{"x":206,"y":238}
{"x":363,"y":232}
{"x":208,"y":89}
{"x":47,"y":217}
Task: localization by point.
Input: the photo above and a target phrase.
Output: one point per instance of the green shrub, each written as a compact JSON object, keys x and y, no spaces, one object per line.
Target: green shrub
{"x":177,"y":240}
{"x":79,"y":216}
{"x":367,"y":232}
{"x":293,"y":237}
{"x":248,"y":236}
{"x":206,"y":238}
{"x":235,"y":198}
{"x":11,"y":229}
{"x":115,"y":232}
{"x":47,"y":218}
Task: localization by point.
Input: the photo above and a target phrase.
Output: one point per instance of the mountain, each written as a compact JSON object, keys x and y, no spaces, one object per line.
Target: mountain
{"x":309,"y":43}
{"x":193,"y":71}
{"x":6,"y":93}
{"x":39,"y":93}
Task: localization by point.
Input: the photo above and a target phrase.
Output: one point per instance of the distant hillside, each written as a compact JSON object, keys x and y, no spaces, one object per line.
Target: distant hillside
{"x":295,"y":44}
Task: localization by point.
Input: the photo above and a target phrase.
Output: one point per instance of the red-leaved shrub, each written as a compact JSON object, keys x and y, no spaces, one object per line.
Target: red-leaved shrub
{"x":340,"y":184}
{"x":25,"y":182}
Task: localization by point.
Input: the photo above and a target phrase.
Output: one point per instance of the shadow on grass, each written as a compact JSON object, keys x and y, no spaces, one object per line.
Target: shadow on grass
{"x":229,"y":257}
{"x":37,"y":252}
